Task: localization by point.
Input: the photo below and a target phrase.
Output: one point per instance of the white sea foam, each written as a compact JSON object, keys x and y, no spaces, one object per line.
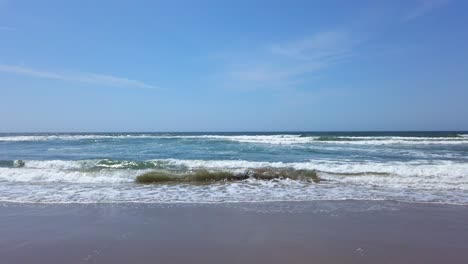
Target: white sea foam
{"x":357,"y":140}
{"x":264,"y":139}
{"x":286,"y":139}
{"x":72,"y":137}
{"x":59,"y":181}
{"x":418,"y":174}
{"x":414,"y":138}
{"x":59,"y":164}
{"x":413,"y":168}
{"x":269,"y":139}
{"x":28,"y":175}
{"x":436,"y":175}
{"x":248,"y":191}
{"x":398,"y":141}
{"x":78,"y":164}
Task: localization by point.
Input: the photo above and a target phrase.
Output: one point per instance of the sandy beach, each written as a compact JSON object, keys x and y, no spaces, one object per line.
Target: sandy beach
{"x":276,"y":232}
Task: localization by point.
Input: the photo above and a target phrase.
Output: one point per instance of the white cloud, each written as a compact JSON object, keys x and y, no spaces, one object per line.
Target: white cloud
{"x":424,"y":7}
{"x":91,"y":78}
{"x":287,"y":64}
{"x":319,"y":46}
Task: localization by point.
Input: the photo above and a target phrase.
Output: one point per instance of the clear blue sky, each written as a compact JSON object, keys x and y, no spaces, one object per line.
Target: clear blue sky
{"x":233,"y":65}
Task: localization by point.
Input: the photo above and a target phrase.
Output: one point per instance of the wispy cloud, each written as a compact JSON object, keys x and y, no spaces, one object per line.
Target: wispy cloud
{"x":90,"y":78}
{"x":423,"y":8}
{"x":319,"y":46}
{"x":286,"y":64}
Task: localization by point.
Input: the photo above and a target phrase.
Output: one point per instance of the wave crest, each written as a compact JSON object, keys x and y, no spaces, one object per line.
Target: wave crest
{"x":217,"y":176}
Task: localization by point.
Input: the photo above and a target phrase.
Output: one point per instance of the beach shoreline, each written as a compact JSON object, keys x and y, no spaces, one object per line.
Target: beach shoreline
{"x":347,"y":231}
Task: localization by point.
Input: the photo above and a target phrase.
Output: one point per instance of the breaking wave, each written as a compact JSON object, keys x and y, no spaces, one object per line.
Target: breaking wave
{"x":104,"y":180}
{"x":219,"y":167}
{"x":73,"y":137}
{"x":418,"y":174}
{"x":286,"y":139}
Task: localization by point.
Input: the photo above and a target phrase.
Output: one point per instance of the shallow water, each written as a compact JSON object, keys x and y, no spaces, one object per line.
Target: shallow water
{"x":102,"y":167}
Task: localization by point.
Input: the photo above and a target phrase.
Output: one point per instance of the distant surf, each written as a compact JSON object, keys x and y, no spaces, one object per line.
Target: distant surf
{"x":286,"y":139}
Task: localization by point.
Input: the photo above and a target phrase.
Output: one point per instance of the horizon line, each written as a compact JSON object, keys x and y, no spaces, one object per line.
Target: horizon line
{"x":238,"y":131}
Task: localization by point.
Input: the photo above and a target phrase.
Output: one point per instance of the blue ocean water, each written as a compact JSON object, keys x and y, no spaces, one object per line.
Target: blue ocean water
{"x":102,"y":167}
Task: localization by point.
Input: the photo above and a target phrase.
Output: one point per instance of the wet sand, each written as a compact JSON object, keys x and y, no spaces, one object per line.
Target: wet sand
{"x":277,"y":232}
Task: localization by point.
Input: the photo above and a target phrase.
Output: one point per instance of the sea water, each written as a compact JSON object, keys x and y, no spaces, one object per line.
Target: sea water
{"x":102,"y":167}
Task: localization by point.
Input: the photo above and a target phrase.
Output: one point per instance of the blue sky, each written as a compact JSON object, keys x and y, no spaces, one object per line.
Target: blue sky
{"x":233,"y":65}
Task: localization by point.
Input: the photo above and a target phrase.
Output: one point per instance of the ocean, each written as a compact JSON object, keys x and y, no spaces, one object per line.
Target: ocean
{"x":423,"y":167}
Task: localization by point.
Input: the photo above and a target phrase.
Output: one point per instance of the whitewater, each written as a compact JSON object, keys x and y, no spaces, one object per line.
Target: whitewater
{"x":429,"y":167}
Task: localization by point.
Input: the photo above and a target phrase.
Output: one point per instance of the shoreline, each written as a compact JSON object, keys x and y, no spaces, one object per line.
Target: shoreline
{"x":129,"y":203}
{"x":268,"y":232}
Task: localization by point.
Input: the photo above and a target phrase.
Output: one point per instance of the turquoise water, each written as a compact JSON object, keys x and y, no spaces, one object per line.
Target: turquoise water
{"x":102,"y":167}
